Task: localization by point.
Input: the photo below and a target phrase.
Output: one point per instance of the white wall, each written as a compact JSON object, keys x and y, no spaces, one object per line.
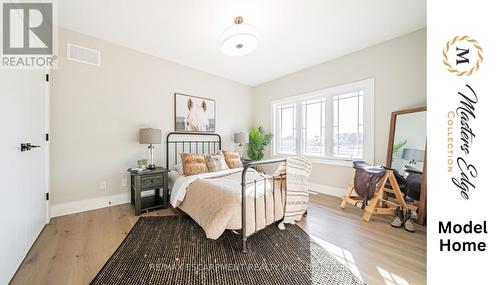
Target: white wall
{"x":399,"y":69}
{"x":96,"y":112}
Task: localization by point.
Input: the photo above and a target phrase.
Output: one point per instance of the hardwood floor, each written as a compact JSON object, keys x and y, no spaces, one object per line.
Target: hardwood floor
{"x":72,"y":249}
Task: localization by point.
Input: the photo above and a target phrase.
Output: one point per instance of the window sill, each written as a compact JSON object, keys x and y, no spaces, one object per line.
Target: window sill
{"x":319,"y":160}
{"x":327,"y":161}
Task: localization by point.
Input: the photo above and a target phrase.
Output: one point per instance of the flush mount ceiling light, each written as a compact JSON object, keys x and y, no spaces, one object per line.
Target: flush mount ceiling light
{"x":239,"y":39}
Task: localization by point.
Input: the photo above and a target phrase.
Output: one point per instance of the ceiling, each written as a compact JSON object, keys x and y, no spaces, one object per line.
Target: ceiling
{"x":293,"y":34}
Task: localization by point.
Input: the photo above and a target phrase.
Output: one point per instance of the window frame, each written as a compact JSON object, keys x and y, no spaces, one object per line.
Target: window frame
{"x":367,"y":86}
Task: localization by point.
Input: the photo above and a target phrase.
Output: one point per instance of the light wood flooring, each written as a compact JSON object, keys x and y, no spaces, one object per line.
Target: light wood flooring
{"x":72,"y":249}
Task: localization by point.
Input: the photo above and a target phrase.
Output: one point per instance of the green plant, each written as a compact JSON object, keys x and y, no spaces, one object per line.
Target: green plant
{"x":257,"y":140}
{"x":397,"y":147}
{"x":142,"y":163}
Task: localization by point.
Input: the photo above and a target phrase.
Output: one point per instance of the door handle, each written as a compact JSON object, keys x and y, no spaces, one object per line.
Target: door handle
{"x":27,"y":146}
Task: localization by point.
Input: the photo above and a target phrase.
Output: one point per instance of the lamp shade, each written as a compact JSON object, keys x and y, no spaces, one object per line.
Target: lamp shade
{"x":150,"y":136}
{"x":413,"y":154}
{"x":241,"y":138}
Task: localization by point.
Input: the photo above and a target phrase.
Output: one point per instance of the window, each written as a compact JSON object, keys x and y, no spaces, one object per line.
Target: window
{"x":313,"y":126}
{"x":286,"y":128}
{"x":348,"y":125}
{"x":334,"y":123}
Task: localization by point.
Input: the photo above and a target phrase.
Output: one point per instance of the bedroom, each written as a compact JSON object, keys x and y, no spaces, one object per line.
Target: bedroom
{"x":123,"y":67}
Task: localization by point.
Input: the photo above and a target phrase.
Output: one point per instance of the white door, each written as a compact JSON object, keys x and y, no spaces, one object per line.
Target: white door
{"x":23,"y":183}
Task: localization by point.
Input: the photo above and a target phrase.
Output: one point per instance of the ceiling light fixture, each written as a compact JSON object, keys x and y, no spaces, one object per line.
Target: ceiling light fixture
{"x":239,"y":39}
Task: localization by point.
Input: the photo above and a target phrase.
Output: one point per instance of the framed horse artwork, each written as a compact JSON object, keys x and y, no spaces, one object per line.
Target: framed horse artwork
{"x":194,"y":114}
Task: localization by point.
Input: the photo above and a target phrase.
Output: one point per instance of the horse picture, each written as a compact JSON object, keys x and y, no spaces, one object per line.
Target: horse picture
{"x":194,"y":114}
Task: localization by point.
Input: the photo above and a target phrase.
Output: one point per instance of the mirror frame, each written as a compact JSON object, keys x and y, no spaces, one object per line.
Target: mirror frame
{"x":423,"y":187}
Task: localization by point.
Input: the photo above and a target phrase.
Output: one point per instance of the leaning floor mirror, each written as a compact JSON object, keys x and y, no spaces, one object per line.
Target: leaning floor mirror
{"x":406,"y":154}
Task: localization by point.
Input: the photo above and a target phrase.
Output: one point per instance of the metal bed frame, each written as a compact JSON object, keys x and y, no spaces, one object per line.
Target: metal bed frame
{"x":209,"y":143}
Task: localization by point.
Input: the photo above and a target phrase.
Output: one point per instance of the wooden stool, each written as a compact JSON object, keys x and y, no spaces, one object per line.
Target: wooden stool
{"x":377,"y":205}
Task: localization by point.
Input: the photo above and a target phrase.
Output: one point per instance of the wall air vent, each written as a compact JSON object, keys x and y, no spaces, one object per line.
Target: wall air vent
{"x":83,"y":55}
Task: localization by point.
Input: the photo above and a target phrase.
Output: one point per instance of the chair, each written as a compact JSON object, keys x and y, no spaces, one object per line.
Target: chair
{"x":369,"y":183}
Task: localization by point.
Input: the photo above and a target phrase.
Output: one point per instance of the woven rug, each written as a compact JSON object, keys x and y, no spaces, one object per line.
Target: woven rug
{"x":174,"y":250}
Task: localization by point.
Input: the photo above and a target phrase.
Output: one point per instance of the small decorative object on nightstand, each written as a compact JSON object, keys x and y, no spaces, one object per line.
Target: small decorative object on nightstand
{"x":156,"y":180}
{"x":142,"y":163}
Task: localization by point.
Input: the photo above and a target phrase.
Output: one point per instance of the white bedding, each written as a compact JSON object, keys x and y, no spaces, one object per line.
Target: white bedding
{"x":213,"y":200}
{"x":181,"y":183}
{"x":173,"y":175}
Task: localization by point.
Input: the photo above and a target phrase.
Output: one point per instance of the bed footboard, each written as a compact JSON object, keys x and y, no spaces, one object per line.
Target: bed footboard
{"x":244,"y":197}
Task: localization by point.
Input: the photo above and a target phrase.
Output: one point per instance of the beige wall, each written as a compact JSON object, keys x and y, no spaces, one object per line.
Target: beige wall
{"x":399,"y":69}
{"x":96,"y":112}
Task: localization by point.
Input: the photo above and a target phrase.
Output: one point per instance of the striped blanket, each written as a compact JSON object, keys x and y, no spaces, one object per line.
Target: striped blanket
{"x":297,"y":170}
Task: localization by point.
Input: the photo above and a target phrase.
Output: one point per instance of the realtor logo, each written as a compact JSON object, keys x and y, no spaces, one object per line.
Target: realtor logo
{"x":27,"y":30}
{"x":462,"y":56}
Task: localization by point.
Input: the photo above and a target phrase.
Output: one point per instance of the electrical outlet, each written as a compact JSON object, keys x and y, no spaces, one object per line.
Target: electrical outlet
{"x":104,"y":185}
{"x":124,"y":182}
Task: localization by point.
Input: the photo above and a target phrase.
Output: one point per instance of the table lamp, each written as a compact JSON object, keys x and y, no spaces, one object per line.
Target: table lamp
{"x":150,"y":136}
{"x":413,"y":155}
{"x":241,"y":139}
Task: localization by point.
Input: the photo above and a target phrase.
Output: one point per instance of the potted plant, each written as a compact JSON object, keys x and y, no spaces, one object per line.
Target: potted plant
{"x":142,"y":163}
{"x":257,"y":140}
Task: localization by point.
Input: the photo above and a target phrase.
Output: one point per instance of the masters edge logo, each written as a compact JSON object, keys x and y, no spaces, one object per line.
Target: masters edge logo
{"x":467,"y":55}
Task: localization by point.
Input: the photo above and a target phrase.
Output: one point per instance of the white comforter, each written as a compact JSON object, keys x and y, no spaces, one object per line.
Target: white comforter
{"x":182,"y":183}
{"x":213,"y":200}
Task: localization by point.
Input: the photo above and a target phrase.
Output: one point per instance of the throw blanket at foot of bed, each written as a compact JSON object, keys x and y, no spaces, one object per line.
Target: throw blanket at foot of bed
{"x":297,"y":170}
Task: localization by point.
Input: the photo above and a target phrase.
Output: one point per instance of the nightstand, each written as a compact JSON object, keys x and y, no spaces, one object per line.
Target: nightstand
{"x":155,"y":180}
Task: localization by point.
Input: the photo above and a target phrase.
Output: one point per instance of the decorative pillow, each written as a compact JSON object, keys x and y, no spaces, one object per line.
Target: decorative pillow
{"x":216,"y":162}
{"x":233,"y":159}
{"x":193,"y":164}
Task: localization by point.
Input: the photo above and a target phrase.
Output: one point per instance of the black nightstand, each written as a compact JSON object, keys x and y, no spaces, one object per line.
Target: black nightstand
{"x":152,"y":180}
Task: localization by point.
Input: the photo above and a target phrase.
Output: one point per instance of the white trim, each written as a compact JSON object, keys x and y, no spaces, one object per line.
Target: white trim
{"x":47,"y":146}
{"x":368,"y":86}
{"x":328,"y":190}
{"x":89,"y":204}
{"x":320,"y":160}
{"x":124,"y":198}
{"x":330,"y":161}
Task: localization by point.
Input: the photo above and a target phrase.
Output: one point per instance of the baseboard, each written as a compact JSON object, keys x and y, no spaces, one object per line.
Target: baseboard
{"x":123,"y":198}
{"x":328,"y":190}
{"x":89,"y":204}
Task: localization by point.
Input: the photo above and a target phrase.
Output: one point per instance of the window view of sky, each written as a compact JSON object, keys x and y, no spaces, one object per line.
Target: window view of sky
{"x":314,"y":127}
{"x":287,"y":143}
{"x":347,"y":126}
{"x":345,"y":141}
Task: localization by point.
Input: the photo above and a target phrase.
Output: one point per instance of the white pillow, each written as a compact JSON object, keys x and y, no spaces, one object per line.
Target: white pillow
{"x":178,"y":167}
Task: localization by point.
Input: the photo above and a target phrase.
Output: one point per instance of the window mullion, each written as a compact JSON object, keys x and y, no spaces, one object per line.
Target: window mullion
{"x":277,"y":112}
{"x":298,"y":128}
{"x":329,"y":126}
